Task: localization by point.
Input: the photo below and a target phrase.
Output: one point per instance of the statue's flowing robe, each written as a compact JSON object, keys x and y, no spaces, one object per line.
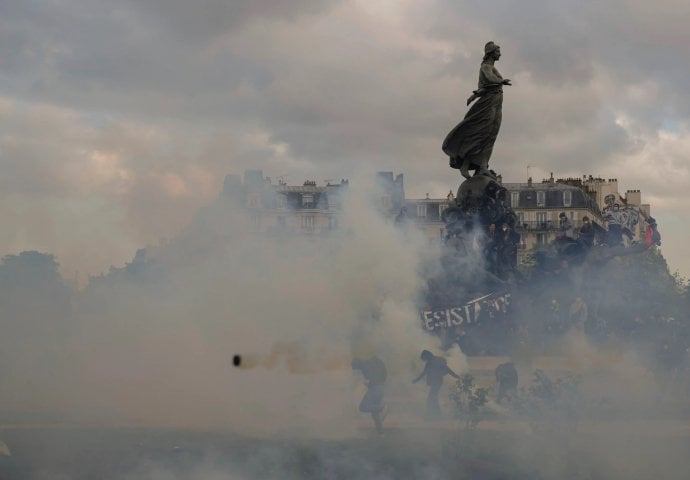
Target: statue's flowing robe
{"x":472,"y":140}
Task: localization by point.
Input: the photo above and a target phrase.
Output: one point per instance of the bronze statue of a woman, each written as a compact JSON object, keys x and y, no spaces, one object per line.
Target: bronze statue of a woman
{"x":470,"y":143}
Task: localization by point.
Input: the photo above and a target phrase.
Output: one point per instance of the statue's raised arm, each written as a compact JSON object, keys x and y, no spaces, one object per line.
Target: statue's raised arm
{"x":470,"y":143}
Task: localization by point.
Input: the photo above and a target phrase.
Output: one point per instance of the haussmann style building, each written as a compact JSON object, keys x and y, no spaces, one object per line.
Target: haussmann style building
{"x":314,"y":210}
{"x":279,"y":208}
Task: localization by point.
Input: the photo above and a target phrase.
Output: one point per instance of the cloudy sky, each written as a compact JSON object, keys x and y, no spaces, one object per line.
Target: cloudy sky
{"x":119,"y":119}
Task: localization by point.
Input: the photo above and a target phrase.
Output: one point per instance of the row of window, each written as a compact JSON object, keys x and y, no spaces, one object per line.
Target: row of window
{"x":514,"y":202}
{"x":422,"y":209}
{"x":543,"y":217}
{"x":307,"y":222}
{"x":308,"y":201}
{"x":541,"y":198}
{"x":254,"y":201}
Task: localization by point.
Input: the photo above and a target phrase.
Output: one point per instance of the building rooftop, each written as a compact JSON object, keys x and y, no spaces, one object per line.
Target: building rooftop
{"x":556,"y":194}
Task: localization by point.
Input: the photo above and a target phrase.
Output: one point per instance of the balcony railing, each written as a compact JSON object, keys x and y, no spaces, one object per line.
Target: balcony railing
{"x":537,"y":226}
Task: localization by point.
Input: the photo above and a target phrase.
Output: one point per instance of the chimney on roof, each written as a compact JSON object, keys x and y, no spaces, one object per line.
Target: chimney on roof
{"x":529,"y":182}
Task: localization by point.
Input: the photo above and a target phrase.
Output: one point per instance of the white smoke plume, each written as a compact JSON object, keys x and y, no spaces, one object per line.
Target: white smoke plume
{"x":154,"y":345}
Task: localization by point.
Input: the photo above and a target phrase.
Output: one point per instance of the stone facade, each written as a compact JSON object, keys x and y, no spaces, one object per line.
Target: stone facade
{"x":280,"y":208}
{"x":314,"y":210}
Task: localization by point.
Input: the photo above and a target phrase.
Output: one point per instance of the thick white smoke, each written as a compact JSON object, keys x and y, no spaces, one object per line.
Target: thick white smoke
{"x":154,"y":345}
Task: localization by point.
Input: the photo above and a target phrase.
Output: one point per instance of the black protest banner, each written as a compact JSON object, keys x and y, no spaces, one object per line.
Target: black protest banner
{"x":463,"y":315}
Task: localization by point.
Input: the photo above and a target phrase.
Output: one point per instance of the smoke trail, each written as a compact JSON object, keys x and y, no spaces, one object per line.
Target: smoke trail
{"x":295,"y":358}
{"x":155,"y":340}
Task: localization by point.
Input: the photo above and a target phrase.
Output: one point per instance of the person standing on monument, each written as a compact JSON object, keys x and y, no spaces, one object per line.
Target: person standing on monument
{"x":491,"y":249}
{"x":470,"y":143}
{"x":508,"y":243}
{"x":586,"y":234}
{"x":565,"y":226}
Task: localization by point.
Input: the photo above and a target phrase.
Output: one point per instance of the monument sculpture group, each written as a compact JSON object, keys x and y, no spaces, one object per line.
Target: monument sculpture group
{"x":480,"y":224}
{"x":480,"y":206}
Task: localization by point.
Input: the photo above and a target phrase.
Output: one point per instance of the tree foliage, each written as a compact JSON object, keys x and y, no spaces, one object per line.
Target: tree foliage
{"x":469,"y":401}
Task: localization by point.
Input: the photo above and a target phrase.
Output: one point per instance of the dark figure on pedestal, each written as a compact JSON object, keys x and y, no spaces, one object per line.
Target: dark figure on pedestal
{"x":586,"y":234}
{"x":470,"y":143}
{"x":614,"y":237}
{"x":491,"y":249}
{"x":567,"y":247}
{"x":374,"y":372}
{"x":435,"y":369}
{"x":565,"y":226}
{"x":508,"y":243}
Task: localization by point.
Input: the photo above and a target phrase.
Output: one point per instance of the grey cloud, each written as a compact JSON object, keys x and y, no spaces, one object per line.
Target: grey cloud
{"x":546,"y":39}
{"x":140,"y":56}
{"x":223,"y":86}
{"x":206,"y":19}
{"x":558,"y":42}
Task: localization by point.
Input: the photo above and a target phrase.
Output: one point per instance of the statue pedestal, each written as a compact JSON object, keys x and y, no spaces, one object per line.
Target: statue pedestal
{"x":480,"y":201}
{"x":472,"y":192}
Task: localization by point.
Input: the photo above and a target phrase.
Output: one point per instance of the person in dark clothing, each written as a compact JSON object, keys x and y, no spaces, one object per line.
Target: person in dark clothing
{"x":435,"y":369}
{"x":507,"y":380}
{"x":565,"y":227}
{"x":614,"y":236}
{"x":491,"y":248}
{"x":508,"y":243}
{"x":586,"y":234}
{"x":374,"y":372}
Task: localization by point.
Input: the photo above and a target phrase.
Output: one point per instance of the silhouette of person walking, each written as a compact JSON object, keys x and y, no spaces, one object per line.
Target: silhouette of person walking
{"x":374,"y":372}
{"x":435,"y":369}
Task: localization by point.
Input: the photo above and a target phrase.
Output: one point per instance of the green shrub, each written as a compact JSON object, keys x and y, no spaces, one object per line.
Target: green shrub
{"x":551,"y":405}
{"x":468,"y":401}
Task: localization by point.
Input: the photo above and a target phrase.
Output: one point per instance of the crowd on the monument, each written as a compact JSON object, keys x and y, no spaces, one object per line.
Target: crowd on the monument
{"x":500,"y":250}
{"x":500,"y":244}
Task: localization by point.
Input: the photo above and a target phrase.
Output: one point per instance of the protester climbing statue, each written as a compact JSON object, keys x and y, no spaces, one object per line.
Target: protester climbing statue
{"x":470,"y":143}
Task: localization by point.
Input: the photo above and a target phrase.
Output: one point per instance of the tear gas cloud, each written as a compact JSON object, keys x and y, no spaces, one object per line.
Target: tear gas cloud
{"x":153,"y":343}
{"x":224,"y":328}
